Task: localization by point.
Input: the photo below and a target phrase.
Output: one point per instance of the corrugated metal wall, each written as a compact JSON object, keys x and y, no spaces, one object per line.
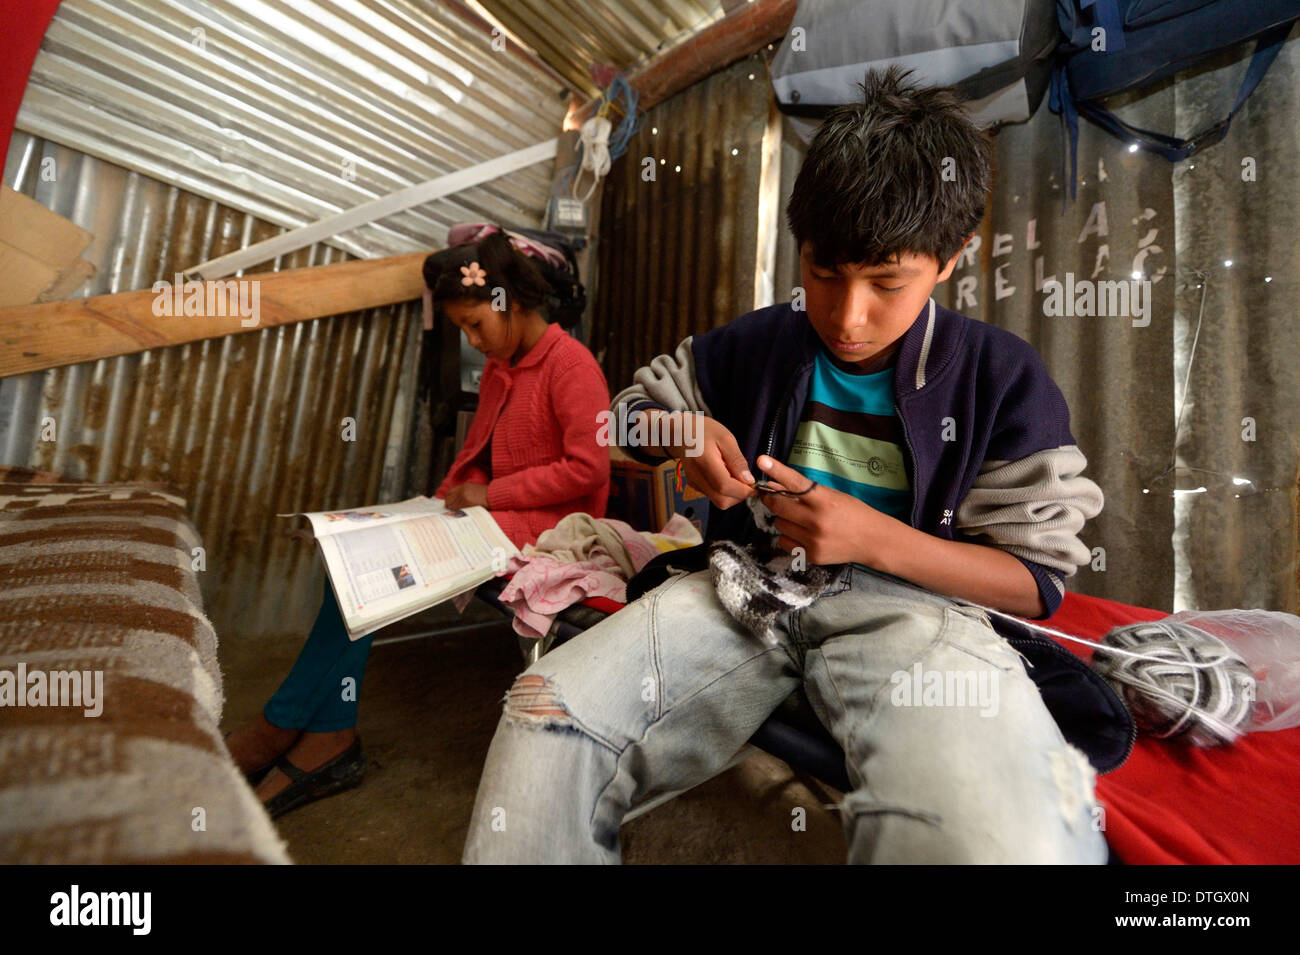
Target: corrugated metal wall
{"x":570,"y":35}
{"x":1190,"y":538}
{"x":180,"y":130}
{"x":244,"y":426}
{"x":1117,"y":379}
{"x":295,"y":109}
{"x":677,"y":253}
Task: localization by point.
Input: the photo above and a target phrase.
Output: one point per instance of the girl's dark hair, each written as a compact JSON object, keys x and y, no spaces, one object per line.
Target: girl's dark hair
{"x":506,"y":269}
{"x":903,"y":171}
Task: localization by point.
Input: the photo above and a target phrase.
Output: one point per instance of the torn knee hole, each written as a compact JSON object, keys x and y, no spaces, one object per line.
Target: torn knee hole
{"x":535,"y":699}
{"x":1075,"y":781}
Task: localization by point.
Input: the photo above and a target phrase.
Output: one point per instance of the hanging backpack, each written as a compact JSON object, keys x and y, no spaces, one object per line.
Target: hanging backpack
{"x":996,"y":53}
{"x":1119,"y":45}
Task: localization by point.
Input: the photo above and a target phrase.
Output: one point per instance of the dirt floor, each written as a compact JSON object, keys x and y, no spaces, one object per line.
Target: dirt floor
{"x":429,"y":708}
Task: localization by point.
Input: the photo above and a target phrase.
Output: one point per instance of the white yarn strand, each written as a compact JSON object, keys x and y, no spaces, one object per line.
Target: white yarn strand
{"x":1092,"y":643}
{"x":1209,"y":727}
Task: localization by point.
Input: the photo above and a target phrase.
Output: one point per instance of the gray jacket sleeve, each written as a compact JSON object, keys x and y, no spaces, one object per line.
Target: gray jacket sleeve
{"x":668,"y":382}
{"x":1033,"y":508}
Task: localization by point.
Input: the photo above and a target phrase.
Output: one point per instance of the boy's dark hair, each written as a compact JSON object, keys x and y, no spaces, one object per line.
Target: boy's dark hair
{"x":873,"y":184}
{"x":505,"y":266}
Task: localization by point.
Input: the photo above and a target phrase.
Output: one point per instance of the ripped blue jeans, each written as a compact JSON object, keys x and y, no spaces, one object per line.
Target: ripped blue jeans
{"x":952,"y":754}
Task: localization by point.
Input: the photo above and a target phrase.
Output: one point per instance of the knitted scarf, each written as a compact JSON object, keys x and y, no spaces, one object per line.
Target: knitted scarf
{"x":758,"y":583}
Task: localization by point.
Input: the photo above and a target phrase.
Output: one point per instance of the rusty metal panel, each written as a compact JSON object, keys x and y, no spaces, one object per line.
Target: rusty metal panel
{"x":292,"y":110}
{"x":572,"y":35}
{"x":677,"y":255}
{"x":244,"y":427}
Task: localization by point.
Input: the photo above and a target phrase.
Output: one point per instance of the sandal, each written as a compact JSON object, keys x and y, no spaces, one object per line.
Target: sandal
{"x":255,"y":776}
{"x":340,"y":773}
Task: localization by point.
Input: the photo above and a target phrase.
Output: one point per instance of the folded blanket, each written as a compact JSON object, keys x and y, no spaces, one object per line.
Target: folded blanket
{"x":582,"y":557}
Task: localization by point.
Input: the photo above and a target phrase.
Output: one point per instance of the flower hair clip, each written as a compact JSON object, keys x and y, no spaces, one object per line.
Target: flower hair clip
{"x":473,"y":274}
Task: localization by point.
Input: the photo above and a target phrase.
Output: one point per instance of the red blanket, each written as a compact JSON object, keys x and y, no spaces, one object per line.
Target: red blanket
{"x":1174,"y":803}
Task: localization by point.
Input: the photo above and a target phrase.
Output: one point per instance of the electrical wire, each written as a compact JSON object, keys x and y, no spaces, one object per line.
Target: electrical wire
{"x":619,"y":137}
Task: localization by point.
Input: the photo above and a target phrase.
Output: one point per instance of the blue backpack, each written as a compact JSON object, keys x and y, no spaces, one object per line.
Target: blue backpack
{"x":1117,"y":45}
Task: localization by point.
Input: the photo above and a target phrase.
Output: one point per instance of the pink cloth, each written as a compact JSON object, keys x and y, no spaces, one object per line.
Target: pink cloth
{"x":543,"y":585}
{"x":466,"y":233}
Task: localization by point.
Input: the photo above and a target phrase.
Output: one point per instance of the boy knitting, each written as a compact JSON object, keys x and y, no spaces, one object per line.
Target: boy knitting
{"x":920,"y":462}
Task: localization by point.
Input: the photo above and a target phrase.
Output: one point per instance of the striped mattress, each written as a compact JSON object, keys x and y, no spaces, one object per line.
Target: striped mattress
{"x":110,"y":692}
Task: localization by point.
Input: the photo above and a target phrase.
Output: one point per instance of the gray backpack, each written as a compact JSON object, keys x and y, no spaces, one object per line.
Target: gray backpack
{"x":997,"y":53}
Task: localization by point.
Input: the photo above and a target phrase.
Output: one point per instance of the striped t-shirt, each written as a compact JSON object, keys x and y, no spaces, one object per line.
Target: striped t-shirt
{"x":850,"y":438}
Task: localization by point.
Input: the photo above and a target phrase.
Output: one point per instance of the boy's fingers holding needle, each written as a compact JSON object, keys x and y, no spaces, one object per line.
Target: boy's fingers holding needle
{"x":717,"y":479}
{"x":735,"y":459}
{"x":718,"y":468}
{"x":788,"y":480}
{"x":730,"y":470}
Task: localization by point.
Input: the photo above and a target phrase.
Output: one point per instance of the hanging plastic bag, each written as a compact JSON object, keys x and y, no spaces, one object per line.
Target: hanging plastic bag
{"x":1269,"y":642}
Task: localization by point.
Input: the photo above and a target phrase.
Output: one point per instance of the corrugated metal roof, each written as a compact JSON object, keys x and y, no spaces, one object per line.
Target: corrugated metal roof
{"x":245,"y":426}
{"x":295,"y":109}
{"x":572,"y":35}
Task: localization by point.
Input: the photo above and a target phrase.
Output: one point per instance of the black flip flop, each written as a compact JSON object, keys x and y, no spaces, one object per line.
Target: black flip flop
{"x":343,"y":772}
{"x":255,"y":776}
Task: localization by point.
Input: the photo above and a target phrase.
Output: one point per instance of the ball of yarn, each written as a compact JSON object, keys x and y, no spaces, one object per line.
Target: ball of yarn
{"x":1170,"y":691}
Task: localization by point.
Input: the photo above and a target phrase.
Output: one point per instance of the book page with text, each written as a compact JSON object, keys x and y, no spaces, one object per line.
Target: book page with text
{"x":387,"y":570}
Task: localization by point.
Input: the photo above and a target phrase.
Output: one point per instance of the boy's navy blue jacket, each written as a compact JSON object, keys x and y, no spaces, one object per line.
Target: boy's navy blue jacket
{"x":989,"y":459}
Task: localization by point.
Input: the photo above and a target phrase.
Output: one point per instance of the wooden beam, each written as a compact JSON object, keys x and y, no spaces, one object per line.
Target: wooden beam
{"x":36,"y":337}
{"x":716,"y":46}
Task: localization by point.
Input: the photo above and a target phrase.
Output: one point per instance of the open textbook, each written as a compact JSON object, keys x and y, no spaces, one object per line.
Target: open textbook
{"x":389,"y":561}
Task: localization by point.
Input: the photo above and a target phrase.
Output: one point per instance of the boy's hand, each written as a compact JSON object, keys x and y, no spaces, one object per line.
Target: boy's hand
{"x":466,"y":495}
{"x":720,"y":470}
{"x":830,"y":526}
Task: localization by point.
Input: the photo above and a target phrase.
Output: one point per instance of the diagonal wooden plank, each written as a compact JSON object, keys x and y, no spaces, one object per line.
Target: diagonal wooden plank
{"x":375,"y":209}
{"x":35,"y":337}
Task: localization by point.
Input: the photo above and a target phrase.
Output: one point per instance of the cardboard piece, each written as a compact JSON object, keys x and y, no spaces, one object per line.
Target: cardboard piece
{"x":39,"y":252}
{"x":646,"y":497}
{"x":22,"y":277}
{"x":77,"y":275}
